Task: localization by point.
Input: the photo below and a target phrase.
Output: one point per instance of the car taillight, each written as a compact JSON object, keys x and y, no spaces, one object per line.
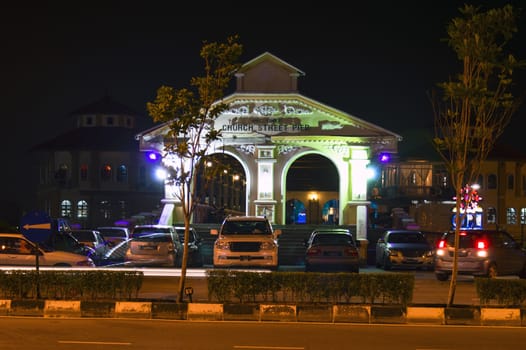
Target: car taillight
{"x":481,"y":244}
{"x":442,"y":243}
{"x":313,"y":251}
{"x":350,"y":252}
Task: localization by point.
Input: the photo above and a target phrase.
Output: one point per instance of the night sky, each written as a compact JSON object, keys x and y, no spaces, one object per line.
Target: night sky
{"x":376,"y":61}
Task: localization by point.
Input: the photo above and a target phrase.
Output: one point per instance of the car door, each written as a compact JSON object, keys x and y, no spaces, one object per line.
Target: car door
{"x":16,"y":251}
{"x":509,"y":257}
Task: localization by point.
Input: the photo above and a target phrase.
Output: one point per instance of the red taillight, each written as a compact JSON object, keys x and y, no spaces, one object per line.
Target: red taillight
{"x":313,"y":251}
{"x":481,"y":244}
{"x":350,"y":252}
{"x":442,"y":243}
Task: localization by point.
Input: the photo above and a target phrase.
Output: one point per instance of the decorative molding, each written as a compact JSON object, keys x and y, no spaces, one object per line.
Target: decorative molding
{"x":247,"y":149}
{"x":282,"y":149}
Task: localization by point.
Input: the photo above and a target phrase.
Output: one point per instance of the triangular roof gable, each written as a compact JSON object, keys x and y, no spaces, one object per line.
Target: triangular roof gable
{"x":267,"y":74}
{"x":276,"y":114}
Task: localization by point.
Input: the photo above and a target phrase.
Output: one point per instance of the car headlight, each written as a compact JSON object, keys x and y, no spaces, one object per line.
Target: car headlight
{"x":222,"y":245}
{"x":393,"y":252}
{"x":267,"y":246}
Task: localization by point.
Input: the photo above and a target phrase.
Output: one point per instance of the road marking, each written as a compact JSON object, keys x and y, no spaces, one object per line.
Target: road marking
{"x":92,"y":342}
{"x":269,"y":347}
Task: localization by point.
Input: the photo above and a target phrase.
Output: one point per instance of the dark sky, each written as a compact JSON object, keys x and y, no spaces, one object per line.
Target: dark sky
{"x":374,"y":61}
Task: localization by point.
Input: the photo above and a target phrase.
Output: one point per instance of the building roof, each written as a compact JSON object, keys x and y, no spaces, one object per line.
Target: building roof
{"x":106,"y":105}
{"x":95,"y":138}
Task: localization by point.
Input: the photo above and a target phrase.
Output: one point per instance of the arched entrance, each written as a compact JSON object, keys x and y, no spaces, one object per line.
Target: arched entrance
{"x":221,"y":189}
{"x":313,"y":186}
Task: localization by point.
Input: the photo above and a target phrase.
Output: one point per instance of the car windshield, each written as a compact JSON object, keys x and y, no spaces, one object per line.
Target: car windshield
{"x":83,"y":236}
{"x":141,"y":231}
{"x":406,"y":238}
{"x":467,"y":240}
{"x":245,"y":227}
{"x":331,"y":239}
{"x":112,"y":233}
{"x":153,"y":237}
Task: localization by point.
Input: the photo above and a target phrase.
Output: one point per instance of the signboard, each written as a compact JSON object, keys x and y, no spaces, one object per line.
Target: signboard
{"x":36,"y":226}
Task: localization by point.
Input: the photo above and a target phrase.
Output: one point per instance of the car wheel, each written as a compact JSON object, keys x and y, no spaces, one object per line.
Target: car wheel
{"x":442,"y":276}
{"x":492,"y":271}
{"x":387,"y":263}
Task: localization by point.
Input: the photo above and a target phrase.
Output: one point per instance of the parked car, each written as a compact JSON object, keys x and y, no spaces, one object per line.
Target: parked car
{"x":93,"y":239}
{"x":488,"y":253}
{"x":116,"y":255}
{"x":195,"y":255}
{"x":114,"y":234}
{"x":332,"y":250}
{"x":246,"y":241}
{"x":17,"y":250}
{"x":404,"y":249}
{"x":154,"y":245}
{"x":65,"y":241}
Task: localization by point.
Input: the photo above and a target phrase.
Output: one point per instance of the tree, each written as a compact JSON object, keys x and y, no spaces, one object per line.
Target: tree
{"x":190,"y":115}
{"x":477,"y":105}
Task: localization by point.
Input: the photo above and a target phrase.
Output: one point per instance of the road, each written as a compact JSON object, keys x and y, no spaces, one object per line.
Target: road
{"x":77,"y":334}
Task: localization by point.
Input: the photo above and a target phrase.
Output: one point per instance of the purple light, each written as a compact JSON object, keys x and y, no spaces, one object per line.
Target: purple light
{"x":152,"y":156}
{"x":384,"y":157}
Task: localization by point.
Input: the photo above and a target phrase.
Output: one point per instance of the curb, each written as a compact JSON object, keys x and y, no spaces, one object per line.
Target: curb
{"x":346,"y":313}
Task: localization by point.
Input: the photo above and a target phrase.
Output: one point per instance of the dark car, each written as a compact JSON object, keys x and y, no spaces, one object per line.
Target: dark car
{"x":332,"y":250}
{"x":93,"y":239}
{"x":114,"y":234}
{"x":480,"y":253}
{"x":404,"y":249}
{"x":195,"y":255}
{"x":65,"y":241}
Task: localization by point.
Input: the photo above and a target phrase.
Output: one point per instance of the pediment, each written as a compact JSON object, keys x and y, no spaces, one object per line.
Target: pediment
{"x":290,"y":114}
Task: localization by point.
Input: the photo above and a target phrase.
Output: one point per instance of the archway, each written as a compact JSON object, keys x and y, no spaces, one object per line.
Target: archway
{"x":220,"y":189}
{"x":313,"y":181}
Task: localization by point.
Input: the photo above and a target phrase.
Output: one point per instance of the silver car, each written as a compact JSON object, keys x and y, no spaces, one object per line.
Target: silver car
{"x":154,"y":245}
{"x":17,"y":250}
{"x":487,"y":253}
{"x":404,"y":249}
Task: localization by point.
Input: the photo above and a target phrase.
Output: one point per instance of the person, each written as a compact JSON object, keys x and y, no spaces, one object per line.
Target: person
{"x":25,"y":247}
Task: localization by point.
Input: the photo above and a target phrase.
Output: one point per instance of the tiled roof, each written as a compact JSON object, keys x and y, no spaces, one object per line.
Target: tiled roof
{"x":105,"y":105}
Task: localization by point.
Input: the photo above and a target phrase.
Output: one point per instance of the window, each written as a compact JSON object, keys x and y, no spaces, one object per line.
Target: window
{"x":523,"y":216}
{"x":83,"y":172}
{"x":106,"y":172}
{"x":105,"y":209}
{"x":511,"y":216}
{"x":492,"y":215}
{"x":110,"y":121}
{"x":62,"y":174}
{"x":511,"y":182}
{"x":492,"y":181}
{"x":65,"y":208}
{"x":480,"y":181}
{"x":412,"y":178}
{"x":122,"y":173}
{"x":82,"y":209}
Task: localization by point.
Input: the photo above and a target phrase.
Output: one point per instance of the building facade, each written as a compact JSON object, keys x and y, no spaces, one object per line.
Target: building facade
{"x":94,"y":174}
{"x":270,"y":126}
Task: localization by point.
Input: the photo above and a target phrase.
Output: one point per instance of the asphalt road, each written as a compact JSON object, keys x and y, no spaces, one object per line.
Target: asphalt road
{"x":77,"y":334}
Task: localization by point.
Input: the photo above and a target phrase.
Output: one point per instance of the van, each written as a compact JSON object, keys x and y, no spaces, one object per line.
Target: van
{"x":488,"y":253}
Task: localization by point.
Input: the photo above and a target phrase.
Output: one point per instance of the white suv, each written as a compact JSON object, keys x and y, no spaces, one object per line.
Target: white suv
{"x":246,"y":241}
{"x":17,"y":250}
